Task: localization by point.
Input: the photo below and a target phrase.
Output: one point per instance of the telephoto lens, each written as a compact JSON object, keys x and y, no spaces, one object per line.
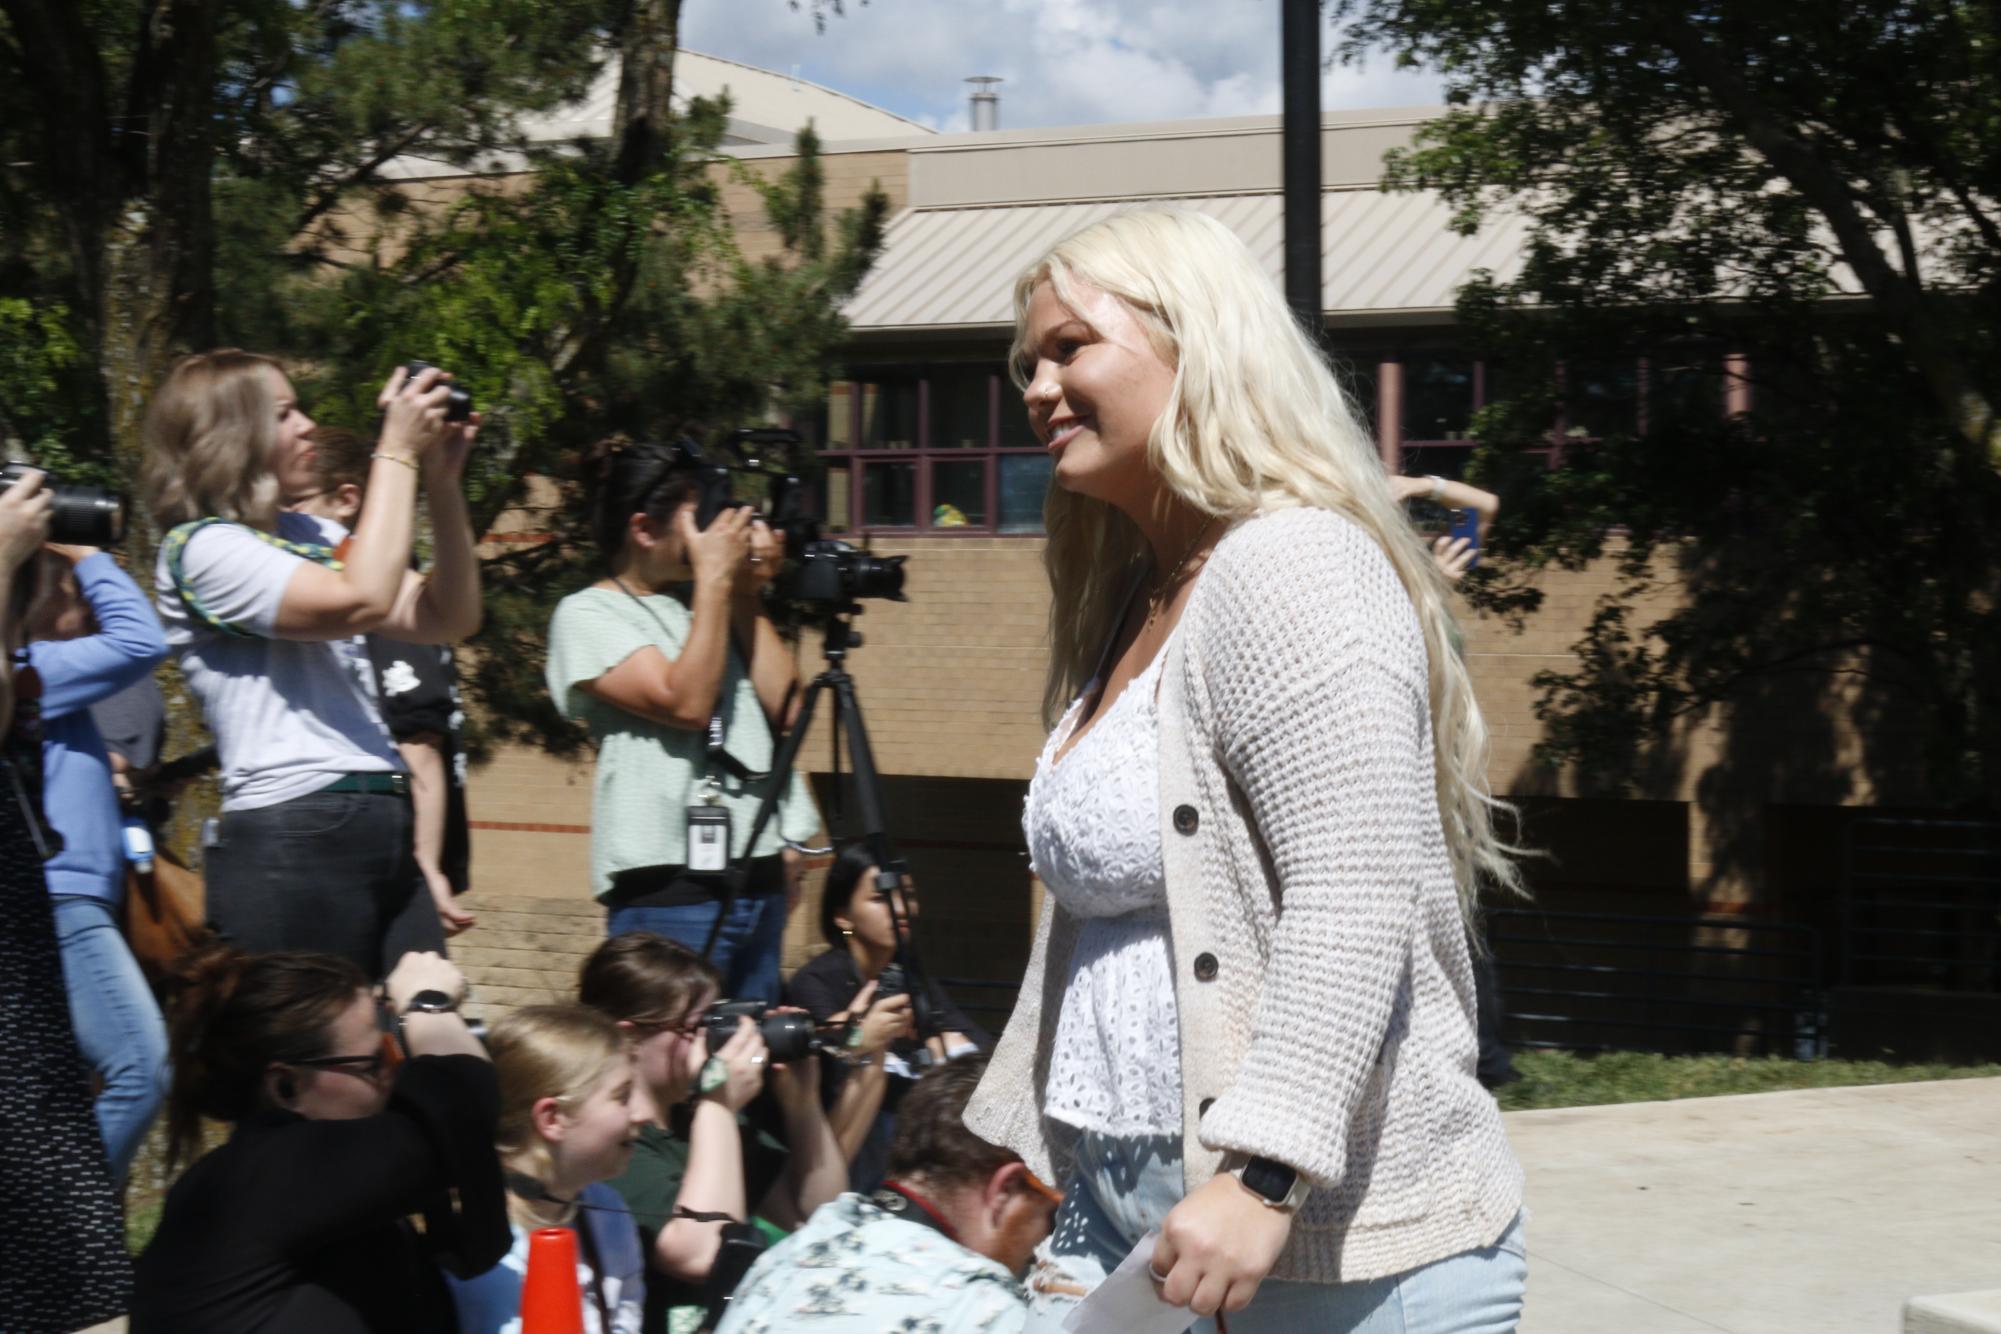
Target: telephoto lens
{"x":79,"y":516}
{"x":458,"y":403}
{"x":786,"y":1036}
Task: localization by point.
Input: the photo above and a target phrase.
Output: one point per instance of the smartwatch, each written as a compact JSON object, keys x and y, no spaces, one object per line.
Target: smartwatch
{"x":1278,"y":1186}
{"x":431,"y":1002}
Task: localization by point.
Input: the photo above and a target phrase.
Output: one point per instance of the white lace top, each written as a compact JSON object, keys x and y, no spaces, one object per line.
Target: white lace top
{"x":1093,"y":829}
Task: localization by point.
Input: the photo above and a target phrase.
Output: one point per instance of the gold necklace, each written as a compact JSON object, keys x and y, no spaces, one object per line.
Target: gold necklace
{"x":1157,"y":600}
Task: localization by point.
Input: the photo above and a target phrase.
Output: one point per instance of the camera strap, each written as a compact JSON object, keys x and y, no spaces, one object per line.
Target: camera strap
{"x":175,"y":546}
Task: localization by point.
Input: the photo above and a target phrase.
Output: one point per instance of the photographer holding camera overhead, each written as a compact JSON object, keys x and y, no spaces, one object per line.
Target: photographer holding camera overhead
{"x":314,"y":848}
{"x":673,"y":663}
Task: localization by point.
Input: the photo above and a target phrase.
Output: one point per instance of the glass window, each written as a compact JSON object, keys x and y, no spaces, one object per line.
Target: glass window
{"x":959,"y":409}
{"x":1358,"y":377}
{"x":1024,"y":480}
{"x":835,"y":489}
{"x":1601,"y":398}
{"x":889,"y":415}
{"x":1014,"y":428}
{"x":959,"y":494}
{"x":1438,"y":397}
{"x":840,"y":428}
{"x":1447,"y":461}
{"x":1684,"y":389}
{"x":889,"y":495}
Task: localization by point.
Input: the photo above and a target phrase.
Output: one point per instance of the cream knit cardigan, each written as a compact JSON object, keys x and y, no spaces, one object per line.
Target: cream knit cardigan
{"x":1320,"y":963}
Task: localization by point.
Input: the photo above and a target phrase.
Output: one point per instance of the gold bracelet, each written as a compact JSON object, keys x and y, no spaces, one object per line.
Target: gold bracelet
{"x":411,"y":464}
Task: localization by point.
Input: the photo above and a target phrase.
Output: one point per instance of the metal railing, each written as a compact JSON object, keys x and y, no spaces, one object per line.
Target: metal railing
{"x":1595,"y":981}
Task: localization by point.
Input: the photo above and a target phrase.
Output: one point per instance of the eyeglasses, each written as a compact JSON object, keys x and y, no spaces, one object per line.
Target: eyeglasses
{"x":687,"y":1028}
{"x":384,"y":1059}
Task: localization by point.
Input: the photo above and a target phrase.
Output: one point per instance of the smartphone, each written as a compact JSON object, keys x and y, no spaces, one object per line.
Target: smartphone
{"x":1466,"y":524}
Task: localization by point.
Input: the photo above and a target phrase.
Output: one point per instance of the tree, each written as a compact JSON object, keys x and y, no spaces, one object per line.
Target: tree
{"x":1814,"y":189}
{"x":240,"y":195}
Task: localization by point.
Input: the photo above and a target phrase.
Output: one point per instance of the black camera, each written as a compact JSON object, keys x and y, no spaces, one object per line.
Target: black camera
{"x":458,"y":403}
{"x":895,"y":981}
{"x":827,"y":572}
{"x":82,"y":516}
{"x":786,"y":1036}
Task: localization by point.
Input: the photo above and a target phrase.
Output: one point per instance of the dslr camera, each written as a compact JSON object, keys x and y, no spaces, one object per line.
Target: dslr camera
{"x":787,"y":1036}
{"x":458,"y":402}
{"x":895,"y":981}
{"x":823,"y":574}
{"x":82,"y":516}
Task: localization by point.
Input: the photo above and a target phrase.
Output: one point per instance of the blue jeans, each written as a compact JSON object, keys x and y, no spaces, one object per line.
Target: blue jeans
{"x":1124,"y":1188}
{"x":746,"y":951}
{"x":117,"y":1022}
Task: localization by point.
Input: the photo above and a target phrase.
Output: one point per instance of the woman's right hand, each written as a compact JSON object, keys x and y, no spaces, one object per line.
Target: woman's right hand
{"x":413,"y":413}
{"x":424,"y":970}
{"x":744,"y":1060}
{"x":884,"y":1021}
{"x":24,"y":520}
{"x":720,"y":552}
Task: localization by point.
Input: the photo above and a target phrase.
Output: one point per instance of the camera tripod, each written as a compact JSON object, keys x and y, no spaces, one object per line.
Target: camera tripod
{"x":838,"y":636}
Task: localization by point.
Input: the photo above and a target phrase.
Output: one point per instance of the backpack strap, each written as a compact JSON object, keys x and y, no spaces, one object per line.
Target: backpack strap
{"x":174,"y":548}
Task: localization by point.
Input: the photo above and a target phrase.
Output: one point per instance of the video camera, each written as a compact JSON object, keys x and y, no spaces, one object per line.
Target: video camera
{"x":824,"y":574}
{"x":81,"y":516}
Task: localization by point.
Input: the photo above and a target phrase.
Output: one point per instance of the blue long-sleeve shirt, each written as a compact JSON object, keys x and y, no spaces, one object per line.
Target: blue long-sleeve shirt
{"x":76,"y":776}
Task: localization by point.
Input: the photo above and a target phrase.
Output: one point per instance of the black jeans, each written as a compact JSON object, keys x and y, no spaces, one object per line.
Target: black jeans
{"x":333,"y":872}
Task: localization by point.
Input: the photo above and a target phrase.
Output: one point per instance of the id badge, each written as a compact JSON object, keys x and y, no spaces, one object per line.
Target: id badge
{"x":708,"y":838}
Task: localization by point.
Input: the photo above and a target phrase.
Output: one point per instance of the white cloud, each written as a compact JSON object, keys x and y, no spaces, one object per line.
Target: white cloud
{"x":1065,"y":62}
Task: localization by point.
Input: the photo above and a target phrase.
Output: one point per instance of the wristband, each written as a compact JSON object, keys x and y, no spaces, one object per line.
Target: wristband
{"x":1437,"y":487}
{"x":411,"y":464}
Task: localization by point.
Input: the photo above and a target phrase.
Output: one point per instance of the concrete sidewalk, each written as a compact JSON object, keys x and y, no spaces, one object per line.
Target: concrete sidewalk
{"x":1818,"y":1212}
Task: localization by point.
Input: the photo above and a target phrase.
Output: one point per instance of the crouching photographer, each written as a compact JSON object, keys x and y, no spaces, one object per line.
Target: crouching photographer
{"x":301,"y":1220}
{"x":942,"y":1245}
{"x":701,"y":1170}
{"x":675,"y":666}
{"x":314,"y":846}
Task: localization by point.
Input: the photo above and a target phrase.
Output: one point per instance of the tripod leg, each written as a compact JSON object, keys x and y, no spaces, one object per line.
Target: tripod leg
{"x":781,"y":774}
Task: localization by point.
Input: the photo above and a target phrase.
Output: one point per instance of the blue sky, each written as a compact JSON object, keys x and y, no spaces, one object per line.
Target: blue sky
{"x":1065,"y":62}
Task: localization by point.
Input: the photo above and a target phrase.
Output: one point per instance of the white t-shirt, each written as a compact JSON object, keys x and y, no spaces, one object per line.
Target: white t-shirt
{"x":491,"y":1302}
{"x":289,"y":716}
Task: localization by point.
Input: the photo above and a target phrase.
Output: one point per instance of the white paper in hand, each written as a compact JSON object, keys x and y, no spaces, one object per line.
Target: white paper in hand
{"x":1128,"y":1301}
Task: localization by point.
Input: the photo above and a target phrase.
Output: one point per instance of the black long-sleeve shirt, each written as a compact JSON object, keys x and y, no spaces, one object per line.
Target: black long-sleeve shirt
{"x":302,"y":1226}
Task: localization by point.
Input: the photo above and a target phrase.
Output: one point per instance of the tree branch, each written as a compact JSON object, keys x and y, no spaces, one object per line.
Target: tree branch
{"x":1830,"y":194}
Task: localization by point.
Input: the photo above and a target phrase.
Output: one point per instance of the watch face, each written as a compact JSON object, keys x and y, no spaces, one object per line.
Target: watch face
{"x":430,"y":1002}
{"x":1272,"y":1180}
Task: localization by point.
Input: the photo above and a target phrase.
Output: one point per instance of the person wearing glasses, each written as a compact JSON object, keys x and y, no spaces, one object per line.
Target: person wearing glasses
{"x":941,"y":1245}
{"x":300,"y":1220}
{"x":701,"y":1169}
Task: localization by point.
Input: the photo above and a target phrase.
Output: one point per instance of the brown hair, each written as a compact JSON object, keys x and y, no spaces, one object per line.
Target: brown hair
{"x":548,"y":1051}
{"x":341,"y":457}
{"x":931,"y":1137}
{"x":56,"y":587}
{"x":209,"y":432}
{"x":642,"y":978}
{"x":231,"y":1016}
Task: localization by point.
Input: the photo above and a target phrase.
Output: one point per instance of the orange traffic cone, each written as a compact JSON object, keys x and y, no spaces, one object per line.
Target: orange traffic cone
{"x":551,"y":1302}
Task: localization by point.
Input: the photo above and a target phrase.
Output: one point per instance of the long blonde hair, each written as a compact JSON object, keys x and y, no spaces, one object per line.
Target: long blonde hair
{"x":1257,"y":421}
{"x":548,"y":1051}
{"x":209,"y":432}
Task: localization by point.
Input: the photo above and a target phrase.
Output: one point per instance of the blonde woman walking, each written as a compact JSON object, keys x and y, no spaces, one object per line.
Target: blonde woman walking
{"x":1248,"y":1018}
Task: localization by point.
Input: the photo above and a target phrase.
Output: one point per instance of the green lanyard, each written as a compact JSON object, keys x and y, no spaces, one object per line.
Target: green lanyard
{"x":175,"y":548}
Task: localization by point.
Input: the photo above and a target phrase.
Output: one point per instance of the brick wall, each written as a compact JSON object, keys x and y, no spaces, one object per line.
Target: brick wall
{"x":950,"y":685}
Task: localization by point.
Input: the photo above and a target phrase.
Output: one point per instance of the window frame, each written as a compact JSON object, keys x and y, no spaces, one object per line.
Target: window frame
{"x":856,"y":459}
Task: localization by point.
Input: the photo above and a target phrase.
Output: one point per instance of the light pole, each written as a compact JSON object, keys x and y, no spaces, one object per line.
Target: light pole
{"x":1299,"y":64}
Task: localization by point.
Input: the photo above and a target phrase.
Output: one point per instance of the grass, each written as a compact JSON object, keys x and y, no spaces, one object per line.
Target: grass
{"x":1549,"y":1079}
{"x":1568,"y":1079}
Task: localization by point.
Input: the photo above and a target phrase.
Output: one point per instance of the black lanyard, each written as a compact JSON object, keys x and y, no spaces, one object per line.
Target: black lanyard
{"x":718,"y":756}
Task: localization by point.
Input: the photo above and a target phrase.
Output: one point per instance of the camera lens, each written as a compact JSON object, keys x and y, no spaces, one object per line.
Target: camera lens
{"x":787,"y":1036}
{"x":86,"y":516}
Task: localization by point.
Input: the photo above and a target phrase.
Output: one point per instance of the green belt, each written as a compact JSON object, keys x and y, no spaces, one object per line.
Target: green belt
{"x":380,"y":785}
